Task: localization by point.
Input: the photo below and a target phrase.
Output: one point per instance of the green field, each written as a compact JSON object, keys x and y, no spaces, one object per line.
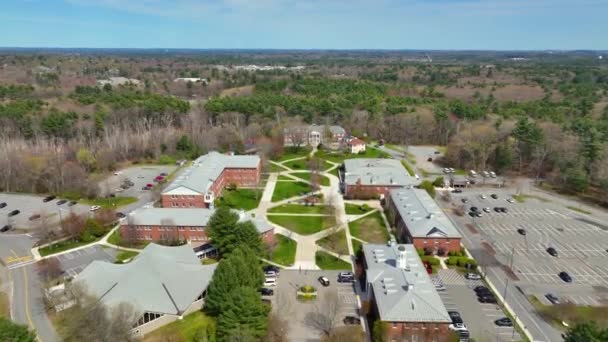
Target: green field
{"x":63,"y":246}
{"x":245,"y":199}
{"x":292,"y":152}
{"x":110,"y":202}
{"x":297,"y":209}
{"x":357,"y":245}
{"x":370,"y":229}
{"x":327,"y":261}
{"x":323,"y":181}
{"x":122,"y":256}
{"x":335,"y":242}
{"x":185,"y":329}
{"x":304,"y":225}
{"x":339,"y":157}
{"x":284,"y":252}
{"x":355,"y":209}
{"x":409,"y":169}
{"x":285,"y":190}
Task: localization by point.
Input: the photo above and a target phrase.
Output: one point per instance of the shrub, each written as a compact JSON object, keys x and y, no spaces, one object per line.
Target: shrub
{"x":428,"y":251}
{"x":94,"y":228}
{"x":165,"y":159}
{"x":430,"y":259}
{"x":420,"y":251}
{"x":452,"y":261}
{"x":441,"y":251}
{"x":438,"y":182}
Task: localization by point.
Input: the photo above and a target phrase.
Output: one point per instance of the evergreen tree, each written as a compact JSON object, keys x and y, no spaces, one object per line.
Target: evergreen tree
{"x":243,"y":312}
{"x":586,"y":332}
{"x":227,"y":233}
{"x":13,"y":332}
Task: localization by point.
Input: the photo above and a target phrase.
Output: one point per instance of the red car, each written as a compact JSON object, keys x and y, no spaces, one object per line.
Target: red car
{"x":159,"y":179}
{"x":149,"y":185}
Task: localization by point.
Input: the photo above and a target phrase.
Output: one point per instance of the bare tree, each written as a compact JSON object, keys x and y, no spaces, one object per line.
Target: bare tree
{"x":49,"y":269}
{"x":73,"y":225}
{"x":347,"y":333}
{"x":326,"y":314}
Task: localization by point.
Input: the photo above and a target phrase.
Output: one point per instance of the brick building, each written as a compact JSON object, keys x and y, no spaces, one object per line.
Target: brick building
{"x":355,"y":145}
{"x":366,"y":178}
{"x":177,"y":224}
{"x":420,"y":221}
{"x":201,"y":183}
{"x":401,"y":294}
{"x":313,"y":135}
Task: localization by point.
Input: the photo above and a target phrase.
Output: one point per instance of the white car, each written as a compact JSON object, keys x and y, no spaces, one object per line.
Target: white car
{"x":472,"y":276}
{"x":458,"y":327}
{"x":482,"y":196}
{"x":439,"y":287}
{"x":510,"y":200}
{"x":117,"y":173}
{"x":270,"y":274}
{"x":417,"y":177}
{"x":270,"y":282}
{"x":486,"y":210}
{"x":119,"y":190}
{"x":94,"y":208}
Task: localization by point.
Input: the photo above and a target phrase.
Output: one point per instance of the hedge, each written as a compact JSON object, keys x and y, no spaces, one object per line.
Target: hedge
{"x":461,"y":261}
{"x":430,"y":259}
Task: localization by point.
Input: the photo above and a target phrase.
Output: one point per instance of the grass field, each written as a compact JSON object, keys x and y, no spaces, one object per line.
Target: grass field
{"x":304,"y":225}
{"x":110,"y":202}
{"x":275,"y":168}
{"x":370,"y":229}
{"x":184,"y":330}
{"x":285,"y":190}
{"x":285,"y":251}
{"x":297,"y":209}
{"x":323,"y":181}
{"x":570,"y":313}
{"x":116,"y":240}
{"x":62,"y":246}
{"x":339,"y":157}
{"x":335,"y":242}
{"x":285,"y":178}
{"x":355,"y":209}
{"x":245,"y":199}
{"x":4,"y":305}
{"x":122,"y":256}
{"x":357,"y":245}
{"x":327,"y":261}
{"x":409,"y":169}
{"x":291,"y":153}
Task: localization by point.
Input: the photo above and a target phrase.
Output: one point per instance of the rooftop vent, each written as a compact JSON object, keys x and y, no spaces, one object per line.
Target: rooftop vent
{"x":430,"y":216}
{"x":402,"y":258}
{"x":413,"y":304}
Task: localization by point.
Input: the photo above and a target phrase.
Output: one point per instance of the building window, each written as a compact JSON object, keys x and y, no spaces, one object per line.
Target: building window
{"x":148,"y":317}
{"x":394,"y":325}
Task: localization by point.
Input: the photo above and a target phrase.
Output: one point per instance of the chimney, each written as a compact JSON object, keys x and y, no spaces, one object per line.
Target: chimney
{"x":429,"y":216}
{"x":401,"y":258}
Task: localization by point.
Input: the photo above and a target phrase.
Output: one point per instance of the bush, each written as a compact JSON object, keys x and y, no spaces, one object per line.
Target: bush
{"x":463,"y":261}
{"x":441,"y":251}
{"x":452,"y":261}
{"x":166,"y":160}
{"x":94,"y":228}
{"x":428,"y":186}
{"x":428,"y":251}
{"x":430,"y":259}
{"x":438,"y":182}
{"x":420,"y":251}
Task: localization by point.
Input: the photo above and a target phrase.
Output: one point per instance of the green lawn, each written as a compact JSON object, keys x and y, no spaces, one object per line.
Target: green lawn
{"x":408,"y":168}
{"x":245,"y":199}
{"x":301,"y":164}
{"x":275,"y":168}
{"x":122,"y":256}
{"x":298,"y":209}
{"x":292,"y":152}
{"x":110,"y":202}
{"x":323,"y":181}
{"x":357,"y":245}
{"x":285,"y":190}
{"x":335,"y":172}
{"x":335,"y":242}
{"x":355,"y":209}
{"x":284,"y":252}
{"x":338,"y":156}
{"x":329,"y":262}
{"x":285,"y":178}
{"x":63,"y":246}
{"x":580,"y":210}
{"x":304,"y":225}
{"x":184,"y":329}
{"x":116,"y":240}
{"x":370,"y":228}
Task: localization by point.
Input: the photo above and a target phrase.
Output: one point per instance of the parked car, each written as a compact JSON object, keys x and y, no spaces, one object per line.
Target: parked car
{"x":478,"y":214}
{"x":455,"y":316}
{"x":552,"y":298}
{"x":457,"y":327}
{"x":72,"y":203}
{"x":60,"y":202}
{"x":503,"y":209}
{"x":492,"y":174}
{"x":487,"y":299}
{"x":270,"y":282}
{"x":521,"y":231}
{"x":94,"y":208}
{"x":552,"y":251}
{"x":266,"y":292}
{"x":324,"y":281}
{"x":270,"y":274}
{"x":472,"y":276}
{"x":475,"y":209}
{"x":34,"y":217}
{"x":429,"y":159}
{"x":2,"y":205}
{"x":437,"y":152}
{"x":510,"y":200}
{"x":5,"y":228}
{"x":159,"y":179}
{"x":482,"y":196}
{"x":481,"y":290}
{"x":48,"y":198}
{"x":494,"y":196}
{"x":486,"y":210}
{"x":120,"y":215}
{"x":121,"y":189}
{"x":117,"y":173}
{"x":464,"y":200}
{"x":164,"y":174}
{"x":272,"y":268}
{"x":504,"y":322}
{"x":346,"y":277}
{"x":457,"y":191}
{"x":14,"y":212}
{"x":351,"y":320}
{"x":565,"y":277}
{"x":439,"y":287}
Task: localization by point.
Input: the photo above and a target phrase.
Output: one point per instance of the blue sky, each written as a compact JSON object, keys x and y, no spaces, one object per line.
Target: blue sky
{"x":306,"y":24}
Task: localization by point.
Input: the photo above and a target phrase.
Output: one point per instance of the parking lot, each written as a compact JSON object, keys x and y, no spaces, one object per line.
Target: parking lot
{"x":139,"y":175}
{"x":422,"y":154}
{"x":335,"y":301}
{"x":74,"y":262}
{"x":581,"y":245}
{"x":478,"y":317}
{"x":29,"y":205}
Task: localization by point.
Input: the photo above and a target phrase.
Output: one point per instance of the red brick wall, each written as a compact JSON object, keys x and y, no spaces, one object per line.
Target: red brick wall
{"x":449,"y":245}
{"x":368,"y":191}
{"x":417,"y":331}
{"x":182,"y":201}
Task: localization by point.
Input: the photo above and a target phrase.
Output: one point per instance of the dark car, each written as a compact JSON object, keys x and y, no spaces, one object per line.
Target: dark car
{"x":455,"y":316}
{"x":324,"y":281}
{"x":504,"y":322}
{"x":521,"y":231}
{"x":34,"y":217}
{"x":478,"y":214}
{"x":164,"y":174}
{"x":472,"y":213}
{"x":351,"y":320}
{"x":565,"y":277}
{"x":497,"y":209}
{"x":482,"y":290}
{"x":72,"y":203}
{"x":457,"y":191}
{"x":266,"y":292}
{"x":474,"y":209}
{"x":487,"y":299}
{"x":494,"y":196}
{"x":346,"y":277}
{"x":120,"y":215}
{"x":429,"y":159}
{"x":5,"y":228}
{"x":271,"y":268}
{"x":552,"y":298}
{"x":552,"y":251}
{"x":14,"y":212}
{"x":48,"y":198}
{"x":2,"y":205}
{"x":503,"y":209}
{"x":60,"y":202}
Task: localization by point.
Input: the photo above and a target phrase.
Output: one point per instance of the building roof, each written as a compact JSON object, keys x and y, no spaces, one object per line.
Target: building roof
{"x":160,"y":279}
{"x":321,"y":128}
{"x":188,"y":217}
{"x":355,"y":141}
{"x":207,"y":168}
{"x":376,"y":171}
{"x":421,"y":214}
{"x":403,"y":290}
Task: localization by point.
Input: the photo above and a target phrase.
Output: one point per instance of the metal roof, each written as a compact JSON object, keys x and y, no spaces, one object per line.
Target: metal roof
{"x":160,"y":279}
{"x":207,"y":168}
{"x":402,"y":289}
{"x":421,"y":214}
{"x":185,"y":217}
{"x":376,"y":171}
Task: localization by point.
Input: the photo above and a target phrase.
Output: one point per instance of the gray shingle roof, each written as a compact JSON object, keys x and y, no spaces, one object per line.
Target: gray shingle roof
{"x":376,"y":171}
{"x":422,"y":215}
{"x":402,"y":294}
{"x":207,"y":168}
{"x":185,"y":217}
{"x":160,"y":279}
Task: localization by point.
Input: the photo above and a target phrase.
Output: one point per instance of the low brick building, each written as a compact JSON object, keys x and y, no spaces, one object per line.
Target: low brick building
{"x":366,"y":178}
{"x":402,"y":295}
{"x":420,"y":221}
{"x":172,"y":224}
{"x":201,"y":183}
{"x":355,"y":145}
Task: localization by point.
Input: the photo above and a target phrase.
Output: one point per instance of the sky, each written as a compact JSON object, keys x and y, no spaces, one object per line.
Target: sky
{"x":307,"y":24}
